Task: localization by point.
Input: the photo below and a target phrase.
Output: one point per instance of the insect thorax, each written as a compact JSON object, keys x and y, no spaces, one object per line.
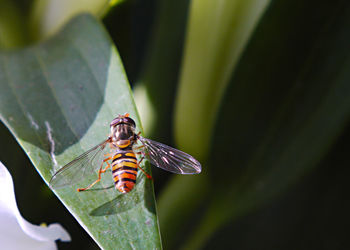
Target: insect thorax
{"x":123,"y":135}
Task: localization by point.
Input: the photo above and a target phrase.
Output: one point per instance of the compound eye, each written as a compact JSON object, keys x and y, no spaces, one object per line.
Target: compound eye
{"x":115,"y":122}
{"x":129,"y":121}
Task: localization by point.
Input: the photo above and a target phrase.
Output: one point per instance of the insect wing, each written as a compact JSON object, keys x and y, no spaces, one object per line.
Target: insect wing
{"x":170,"y":159}
{"x":84,"y":165}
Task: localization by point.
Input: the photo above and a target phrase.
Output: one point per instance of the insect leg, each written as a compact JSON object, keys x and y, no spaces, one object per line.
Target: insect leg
{"x":138,"y":165}
{"x":100,"y":171}
{"x":105,"y":169}
{"x":137,"y":138}
{"x":137,"y":148}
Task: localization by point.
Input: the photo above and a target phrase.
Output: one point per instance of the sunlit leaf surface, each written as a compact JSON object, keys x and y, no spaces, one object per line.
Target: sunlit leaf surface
{"x":58,"y":98}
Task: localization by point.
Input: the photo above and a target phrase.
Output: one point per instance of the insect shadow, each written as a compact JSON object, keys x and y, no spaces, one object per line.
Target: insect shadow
{"x":123,"y":202}
{"x":120,"y":204}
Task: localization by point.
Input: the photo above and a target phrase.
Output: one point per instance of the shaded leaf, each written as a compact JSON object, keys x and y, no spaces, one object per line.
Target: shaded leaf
{"x":48,"y":16}
{"x":287,"y":103}
{"x":13,"y":31}
{"x":156,"y":90}
{"x":217,"y":33}
{"x":58,"y":98}
{"x":211,"y":54}
{"x":313,"y":214}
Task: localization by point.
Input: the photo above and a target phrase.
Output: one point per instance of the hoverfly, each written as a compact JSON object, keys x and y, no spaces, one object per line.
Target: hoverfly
{"x":122,"y":142}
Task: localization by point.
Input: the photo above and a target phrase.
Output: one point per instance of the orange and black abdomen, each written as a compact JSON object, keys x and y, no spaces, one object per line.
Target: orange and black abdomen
{"x":124,"y":169}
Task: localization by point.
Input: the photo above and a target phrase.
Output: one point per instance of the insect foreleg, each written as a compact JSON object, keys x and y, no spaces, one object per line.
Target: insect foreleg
{"x":100,"y":171}
{"x":138,"y":165}
{"x":139,"y":147}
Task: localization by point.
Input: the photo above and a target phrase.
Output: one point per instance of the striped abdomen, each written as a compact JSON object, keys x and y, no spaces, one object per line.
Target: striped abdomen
{"x":124,"y":169}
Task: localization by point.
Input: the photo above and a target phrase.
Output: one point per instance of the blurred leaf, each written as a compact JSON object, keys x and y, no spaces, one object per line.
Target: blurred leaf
{"x":156,"y":89}
{"x":13,"y":31}
{"x":313,"y":214}
{"x":287,"y":103}
{"x":47,"y":16}
{"x":57,"y":99}
{"x":217,"y":34}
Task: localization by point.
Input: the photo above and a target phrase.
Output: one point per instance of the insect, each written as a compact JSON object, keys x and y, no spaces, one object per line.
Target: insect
{"x":122,"y":142}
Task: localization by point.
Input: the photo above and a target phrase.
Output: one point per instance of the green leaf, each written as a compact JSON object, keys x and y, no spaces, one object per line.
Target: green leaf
{"x":13,"y":31}
{"x":156,"y":89}
{"x":286,"y":105}
{"x":211,"y":54}
{"x":58,"y":99}
{"x":47,"y":16}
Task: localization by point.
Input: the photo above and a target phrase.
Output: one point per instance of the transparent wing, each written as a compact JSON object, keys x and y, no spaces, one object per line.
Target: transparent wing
{"x":170,"y":159}
{"x":84,"y":165}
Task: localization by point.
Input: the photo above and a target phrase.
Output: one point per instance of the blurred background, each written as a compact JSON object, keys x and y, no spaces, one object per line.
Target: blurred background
{"x":258,"y":91}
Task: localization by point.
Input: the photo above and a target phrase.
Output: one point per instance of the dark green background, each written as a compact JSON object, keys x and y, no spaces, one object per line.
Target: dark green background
{"x":292,"y":49}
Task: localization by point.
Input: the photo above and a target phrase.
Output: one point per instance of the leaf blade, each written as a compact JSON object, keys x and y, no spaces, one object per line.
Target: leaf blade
{"x":57,"y":99}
